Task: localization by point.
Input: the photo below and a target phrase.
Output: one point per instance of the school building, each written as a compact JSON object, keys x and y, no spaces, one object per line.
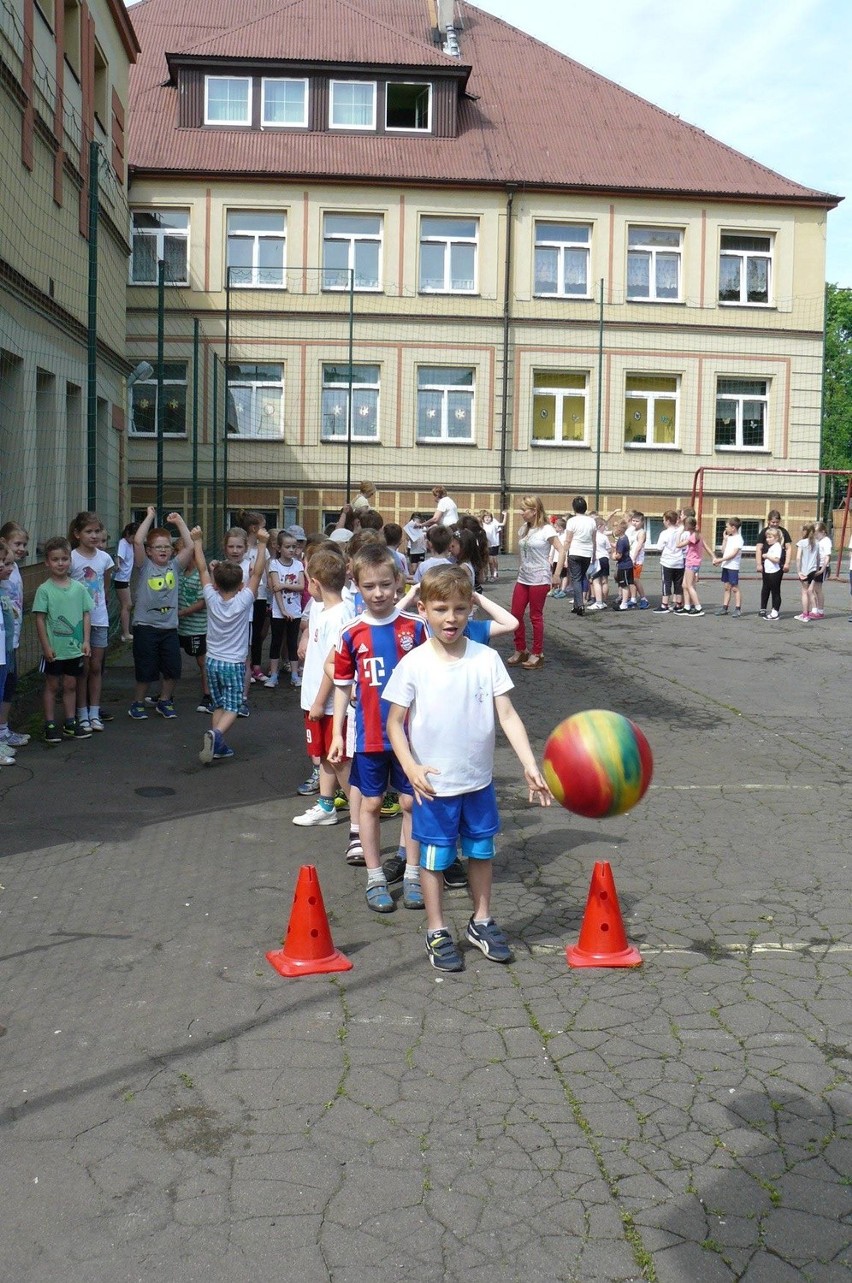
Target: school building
{"x":64,"y":245}
{"x":403,"y":240}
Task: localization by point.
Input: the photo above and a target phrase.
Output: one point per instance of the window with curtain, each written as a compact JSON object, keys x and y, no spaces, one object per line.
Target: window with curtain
{"x":227,"y":100}
{"x":653,"y":263}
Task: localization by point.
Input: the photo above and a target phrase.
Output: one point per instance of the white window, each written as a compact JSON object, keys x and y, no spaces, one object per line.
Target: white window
{"x":352,"y":104}
{"x":159,"y":234}
{"x":650,"y":410}
{"x":351,"y":243}
{"x":255,"y":400}
{"x":284,"y":102}
{"x":227,"y":100}
{"x":653,"y":263}
{"x":448,"y":255}
{"x":741,"y":410}
{"x":257,"y":242}
{"x":143,"y":402}
{"x":444,"y":404}
{"x":562,"y":260}
{"x":364,"y":383}
{"x":559,"y":408}
{"x":745,"y":269}
{"x":408,"y":106}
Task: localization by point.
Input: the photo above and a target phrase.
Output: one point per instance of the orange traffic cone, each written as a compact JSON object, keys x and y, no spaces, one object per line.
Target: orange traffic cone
{"x":602,"y":942}
{"x":308,"y":949}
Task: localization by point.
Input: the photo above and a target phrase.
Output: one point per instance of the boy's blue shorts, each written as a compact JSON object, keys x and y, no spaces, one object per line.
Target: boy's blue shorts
{"x":375,"y":773}
{"x":440,"y":823}
{"x":731,"y":577}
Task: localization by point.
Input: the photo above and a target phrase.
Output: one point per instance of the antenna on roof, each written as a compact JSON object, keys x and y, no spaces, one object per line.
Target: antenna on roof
{"x":447,"y":28}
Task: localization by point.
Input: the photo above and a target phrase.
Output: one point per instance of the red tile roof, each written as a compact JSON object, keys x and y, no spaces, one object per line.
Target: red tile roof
{"x":530,"y":115}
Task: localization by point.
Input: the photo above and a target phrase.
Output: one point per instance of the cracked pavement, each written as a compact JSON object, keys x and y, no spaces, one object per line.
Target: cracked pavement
{"x":172,"y":1109}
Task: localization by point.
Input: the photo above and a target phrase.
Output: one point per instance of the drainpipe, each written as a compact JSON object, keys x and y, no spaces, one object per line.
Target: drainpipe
{"x":511,"y":188}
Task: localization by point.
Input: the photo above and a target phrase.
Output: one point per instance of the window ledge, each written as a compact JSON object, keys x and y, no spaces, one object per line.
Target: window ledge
{"x":353,"y":441}
{"x":742,"y":449}
{"x":153,"y":436}
{"x":237,"y":438}
{"x":444,"y":441}
{"x":457,"y":293}
{"x":560,"y":445}
{"x":642,"y":445}
{"x":657,"y":302}
{"x":564,"y":298}
{"x":760,"y":307}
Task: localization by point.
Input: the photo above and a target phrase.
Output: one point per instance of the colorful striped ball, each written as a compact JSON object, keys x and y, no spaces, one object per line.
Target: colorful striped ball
{"x":598,"y":763}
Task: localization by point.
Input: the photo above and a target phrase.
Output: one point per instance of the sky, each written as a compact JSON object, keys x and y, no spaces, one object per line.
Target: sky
{"x":768,"y":77}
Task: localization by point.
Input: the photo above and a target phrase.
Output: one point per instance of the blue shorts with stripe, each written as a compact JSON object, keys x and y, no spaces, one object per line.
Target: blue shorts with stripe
{"x":227,"y":683}
{"x":439,"y":825}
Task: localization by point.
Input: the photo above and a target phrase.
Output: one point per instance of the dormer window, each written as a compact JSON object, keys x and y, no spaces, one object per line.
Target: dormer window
{"x":352,"y":104}
{"x":408,"y":106}
{"x":227,"y":100}
{"x":284,"y":102}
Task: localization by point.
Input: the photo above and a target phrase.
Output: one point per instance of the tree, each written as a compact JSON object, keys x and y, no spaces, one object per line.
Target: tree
{"x":837,"y":374}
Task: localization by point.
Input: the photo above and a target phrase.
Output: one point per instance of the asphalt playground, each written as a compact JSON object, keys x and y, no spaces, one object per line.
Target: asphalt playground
{"x":171,"y":1109}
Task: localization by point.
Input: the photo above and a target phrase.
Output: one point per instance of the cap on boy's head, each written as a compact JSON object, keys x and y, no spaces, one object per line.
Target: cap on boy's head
{"x":341,"y":535}
{"x":297,"y":532}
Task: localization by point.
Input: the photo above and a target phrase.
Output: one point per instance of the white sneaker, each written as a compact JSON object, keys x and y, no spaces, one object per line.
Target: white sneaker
{"x":295,"y":680}
{"x":7,"y":754}
{"x":316,"y":815}
{"x":773,"y":614}
{"x":271,"y":681}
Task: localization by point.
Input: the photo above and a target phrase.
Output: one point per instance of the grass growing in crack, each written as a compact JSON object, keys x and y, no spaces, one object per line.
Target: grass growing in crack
{"x":632,"y":1235}
{"x":772,"y":1190}
{"x":187,"y":1081}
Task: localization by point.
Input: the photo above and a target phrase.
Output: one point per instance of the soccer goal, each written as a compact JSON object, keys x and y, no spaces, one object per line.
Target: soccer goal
{"x":715,"y":487}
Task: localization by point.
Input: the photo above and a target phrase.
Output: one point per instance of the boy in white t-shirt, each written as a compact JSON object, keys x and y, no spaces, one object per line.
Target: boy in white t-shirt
{"x":328,"y":612}
{"x":732,"y":551}
{"x":452,"y":774}
{"x":229,"y":612}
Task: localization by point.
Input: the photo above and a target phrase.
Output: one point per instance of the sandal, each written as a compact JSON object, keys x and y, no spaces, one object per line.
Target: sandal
{"x":519,"y":657}
{"x":534,"y":661}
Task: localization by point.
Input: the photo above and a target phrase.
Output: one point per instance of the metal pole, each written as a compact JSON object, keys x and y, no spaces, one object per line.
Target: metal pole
{"x":507,"y":301}
{"x":161,"y":395}
{"x":214,"y":503}
{"x":225,"y":404}
{"x":349,"y":410}
{"x":92,"y":333}
{"x":600,"y":401}
{"x":196,"y":327}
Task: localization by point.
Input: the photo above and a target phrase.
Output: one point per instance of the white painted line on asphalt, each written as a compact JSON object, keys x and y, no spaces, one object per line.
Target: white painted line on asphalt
{"x":792,"y":946}
{"x":730,"y":788}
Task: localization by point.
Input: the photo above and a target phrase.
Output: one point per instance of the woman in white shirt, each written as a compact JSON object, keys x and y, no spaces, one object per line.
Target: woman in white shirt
{"x":580,"y":551}
{"x":536,"y":538}
{"x":446,"y":513}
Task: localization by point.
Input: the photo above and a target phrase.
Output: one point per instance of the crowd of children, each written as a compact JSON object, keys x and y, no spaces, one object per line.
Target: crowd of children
{"x":622,"y":540}
{"x":374,"y":622}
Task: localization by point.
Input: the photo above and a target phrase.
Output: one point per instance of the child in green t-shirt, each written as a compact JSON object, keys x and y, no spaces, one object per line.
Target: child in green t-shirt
{"x":62,"y":609}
